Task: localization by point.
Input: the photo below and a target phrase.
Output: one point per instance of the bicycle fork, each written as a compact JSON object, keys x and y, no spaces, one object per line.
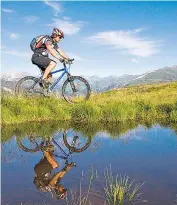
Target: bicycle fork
{"x":70,"y":79}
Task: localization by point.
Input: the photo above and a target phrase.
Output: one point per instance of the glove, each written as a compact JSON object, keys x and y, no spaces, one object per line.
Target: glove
{"x":71,"y":59}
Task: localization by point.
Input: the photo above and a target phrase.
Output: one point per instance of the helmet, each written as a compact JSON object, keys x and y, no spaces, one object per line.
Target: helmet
{"x":58,"y":32}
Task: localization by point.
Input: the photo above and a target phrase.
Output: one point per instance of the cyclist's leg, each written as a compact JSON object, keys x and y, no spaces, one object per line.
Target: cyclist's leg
{"x":60,"y":174}
{"x":51,"y":160}
{"x":49,"y":68}
{"x":44,"y":63}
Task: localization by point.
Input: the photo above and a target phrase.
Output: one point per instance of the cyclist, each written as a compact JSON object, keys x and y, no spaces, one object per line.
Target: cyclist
{"x":45,"y":181}
{"x":45,"y":45}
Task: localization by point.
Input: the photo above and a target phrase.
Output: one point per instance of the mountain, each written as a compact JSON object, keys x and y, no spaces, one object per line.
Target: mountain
{"x":166,"y":74}
{"x":13,"y":76}
{"x":101,"y":84}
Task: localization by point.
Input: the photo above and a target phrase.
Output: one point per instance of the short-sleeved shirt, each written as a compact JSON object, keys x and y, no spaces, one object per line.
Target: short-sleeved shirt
{"x":41,"y":45}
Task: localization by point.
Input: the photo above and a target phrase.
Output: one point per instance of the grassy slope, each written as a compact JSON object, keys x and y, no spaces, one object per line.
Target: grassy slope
{"x":147,"y":102}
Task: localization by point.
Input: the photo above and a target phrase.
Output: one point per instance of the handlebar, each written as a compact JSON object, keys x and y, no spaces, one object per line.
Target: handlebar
{"x":65,"y":61}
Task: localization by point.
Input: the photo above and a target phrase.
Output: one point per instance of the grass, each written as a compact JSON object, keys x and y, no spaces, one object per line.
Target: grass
{"x":115,"y":190}
{"x":145,"y":102}
{"x":47,"y":129}
{"x":121,"y":190}
{"x":82,"y":197}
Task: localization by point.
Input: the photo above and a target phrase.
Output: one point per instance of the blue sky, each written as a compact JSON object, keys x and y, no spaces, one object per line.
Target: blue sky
{"x":105,"y":38}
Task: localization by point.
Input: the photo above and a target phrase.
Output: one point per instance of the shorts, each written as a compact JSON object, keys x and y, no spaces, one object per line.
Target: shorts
{"x":42,"y":168}
{"x":41,"y":61}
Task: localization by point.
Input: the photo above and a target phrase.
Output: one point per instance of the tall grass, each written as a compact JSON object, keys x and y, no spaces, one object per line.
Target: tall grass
{"x":121,"y":190}
{"x":81,"y":197}
{"x":146,"y":102}
{"x":115,"y":190}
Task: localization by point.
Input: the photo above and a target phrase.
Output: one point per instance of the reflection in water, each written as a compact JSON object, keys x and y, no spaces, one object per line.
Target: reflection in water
{"x":44,"y":179}
{"x":48,"y":129}
{"x":147,"y":154}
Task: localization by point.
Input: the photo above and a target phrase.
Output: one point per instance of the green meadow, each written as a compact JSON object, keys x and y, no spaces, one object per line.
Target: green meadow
{"x":140,"y":103}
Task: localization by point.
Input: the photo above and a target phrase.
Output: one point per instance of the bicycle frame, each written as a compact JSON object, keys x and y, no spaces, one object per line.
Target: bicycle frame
{"x":62,"y":157}
{"x":65,"y":71}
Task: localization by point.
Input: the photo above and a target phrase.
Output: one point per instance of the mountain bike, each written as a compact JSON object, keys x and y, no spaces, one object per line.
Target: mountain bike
{"x":75,"y":88}
{"x":74,"y":143}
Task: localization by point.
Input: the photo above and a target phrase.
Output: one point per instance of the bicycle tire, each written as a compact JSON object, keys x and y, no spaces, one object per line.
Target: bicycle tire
{"x":18,"y":87}
{"x":71,"y":79}
{"x":76,"y":149}
{"x":24,"y":148}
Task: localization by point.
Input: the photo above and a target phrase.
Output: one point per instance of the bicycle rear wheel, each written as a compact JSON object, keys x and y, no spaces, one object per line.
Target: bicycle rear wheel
{"x":76,"y":89}
{"x":28,"y":86}
{"x":30,"y":143}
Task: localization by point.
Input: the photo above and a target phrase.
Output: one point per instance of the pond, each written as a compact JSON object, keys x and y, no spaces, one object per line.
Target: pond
{"x":144,"y":152}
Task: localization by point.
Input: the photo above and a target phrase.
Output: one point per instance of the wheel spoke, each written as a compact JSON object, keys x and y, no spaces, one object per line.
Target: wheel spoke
{"x":28,"y":86}
{"x":76,"y":89}
{"x":29,"y":145}
{"x":76,"y":142}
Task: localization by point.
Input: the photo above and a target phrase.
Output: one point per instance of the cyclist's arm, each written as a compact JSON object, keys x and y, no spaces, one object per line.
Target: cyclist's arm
{"x":52,"y":51}
{"x":62,"y":54}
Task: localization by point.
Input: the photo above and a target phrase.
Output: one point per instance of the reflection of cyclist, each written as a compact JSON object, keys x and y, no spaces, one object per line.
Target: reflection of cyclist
{"x":45,"y":181}
{"x":42,"y":46}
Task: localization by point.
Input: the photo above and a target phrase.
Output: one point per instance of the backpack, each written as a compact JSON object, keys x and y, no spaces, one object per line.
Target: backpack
{"x":35,"y":42}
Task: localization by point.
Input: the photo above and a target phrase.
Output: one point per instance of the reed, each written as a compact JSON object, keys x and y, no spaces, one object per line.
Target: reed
{"x":120,"y":190}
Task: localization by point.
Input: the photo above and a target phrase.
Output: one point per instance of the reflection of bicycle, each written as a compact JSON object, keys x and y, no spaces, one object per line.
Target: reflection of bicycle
{"x":73,"y":143}
{"x":75,"y":88}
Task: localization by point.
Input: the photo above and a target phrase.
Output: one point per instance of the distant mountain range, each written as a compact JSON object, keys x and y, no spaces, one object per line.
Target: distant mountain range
{"x":167,"y":74}
{"x":101,"y":84}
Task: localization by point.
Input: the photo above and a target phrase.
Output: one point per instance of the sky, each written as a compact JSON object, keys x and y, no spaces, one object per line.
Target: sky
{"x":105,"y":38}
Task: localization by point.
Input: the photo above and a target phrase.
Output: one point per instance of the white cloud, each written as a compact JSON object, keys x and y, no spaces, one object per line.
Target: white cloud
{"x":7,"y":10}
{"x":134,"y":60}
{"x":55,"y":6}
{"x":66,"y":18}
{"x":127,"y":41}
{"x":17,"y":53}
{"x":68,"y":27}
{"x":31,"y":19}
{"x":14,"y":36}
{"x":138,"y":30}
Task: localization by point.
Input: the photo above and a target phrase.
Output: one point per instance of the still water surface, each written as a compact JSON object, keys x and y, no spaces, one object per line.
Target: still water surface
{"x":145,"y":153}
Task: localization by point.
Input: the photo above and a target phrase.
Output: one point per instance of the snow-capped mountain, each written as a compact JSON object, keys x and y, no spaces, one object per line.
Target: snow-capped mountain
{"x":9,"y":76}
{"x":166,"y":74}
{"x":100,"y":84}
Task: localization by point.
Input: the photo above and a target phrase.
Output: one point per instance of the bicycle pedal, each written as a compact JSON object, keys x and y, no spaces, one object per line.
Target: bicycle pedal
{"x":46,"y":93}
{"x":41,"y":85}
{"x":44,"y":84}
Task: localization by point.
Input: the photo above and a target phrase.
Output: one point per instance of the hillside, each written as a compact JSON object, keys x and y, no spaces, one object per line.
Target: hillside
{"x":167,"y":74}
{"x":147,"y":103}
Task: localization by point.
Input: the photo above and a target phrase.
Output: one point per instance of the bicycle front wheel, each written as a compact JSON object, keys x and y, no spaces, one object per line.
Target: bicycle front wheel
{"x":28,"y":86}
{"x":76,"y":89}
{"x":75,"y":142}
